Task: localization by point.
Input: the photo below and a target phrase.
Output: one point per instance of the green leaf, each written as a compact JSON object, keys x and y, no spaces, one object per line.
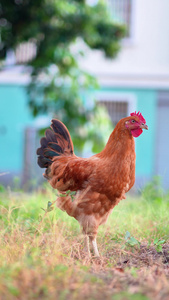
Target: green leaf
{"x":123,"y":247}
{"x":132,"y":241}
{"x":156,"y":241}
{"x":127,"y":235}
{"x":49,"y":206}
{"x":73,"y":193}
{"x":63,"y":195}
{"x":43,"y":209}
{"x":161,"y":242}
{"x":159,"y":248}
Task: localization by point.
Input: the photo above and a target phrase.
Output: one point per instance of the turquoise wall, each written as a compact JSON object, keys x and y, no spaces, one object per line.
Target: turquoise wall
{"x":14,"y":117}
{"x":146,"y":103}
{"x":145,"y":144}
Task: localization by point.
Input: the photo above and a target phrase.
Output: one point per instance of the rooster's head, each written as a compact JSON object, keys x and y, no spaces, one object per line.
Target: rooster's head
{"x":136,"y":123}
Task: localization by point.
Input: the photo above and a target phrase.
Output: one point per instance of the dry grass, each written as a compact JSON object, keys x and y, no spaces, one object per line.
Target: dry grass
{"x":44,"y":259}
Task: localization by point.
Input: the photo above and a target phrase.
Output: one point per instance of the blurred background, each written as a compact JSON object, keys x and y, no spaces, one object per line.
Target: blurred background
{"x":88,"y":63}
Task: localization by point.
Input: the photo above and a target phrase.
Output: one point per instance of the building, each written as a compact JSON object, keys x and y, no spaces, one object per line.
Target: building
{"x":138,"y":79}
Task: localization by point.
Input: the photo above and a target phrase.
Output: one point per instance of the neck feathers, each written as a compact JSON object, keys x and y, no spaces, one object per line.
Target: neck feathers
{"x":120,"y":140}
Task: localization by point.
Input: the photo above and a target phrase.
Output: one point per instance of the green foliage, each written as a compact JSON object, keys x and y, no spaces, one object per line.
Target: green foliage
{"x":54,"y":25}
{"x":153,"y":190}
{"x":68,"y":193}
{"x":42,"y":257}
{"x":17,"y":183}
{"x":49,"y":207}
{"x":130,"y":240}
{"x":2,"y":188}
{"x":129,"y":296}
{"x":158,"y":244}
{"x":57,"y":84}
{"x":127,"y":241}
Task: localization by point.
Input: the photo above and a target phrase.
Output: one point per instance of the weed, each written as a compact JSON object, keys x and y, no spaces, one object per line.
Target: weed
{"x":68,"y":193}
{"x":42,"y":257}
{"x":131,"y":241}
{"x":153,"y":190}
{"x":129,"y":296}
{"x":127,"y":241}
{"x":2,"y":188}
{"x":158,"y":244}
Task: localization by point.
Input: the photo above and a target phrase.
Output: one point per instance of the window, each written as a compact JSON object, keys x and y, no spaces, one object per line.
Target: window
{"x":116,"y":109}
{"x":119,"y":105}
{"x":122,"y":13}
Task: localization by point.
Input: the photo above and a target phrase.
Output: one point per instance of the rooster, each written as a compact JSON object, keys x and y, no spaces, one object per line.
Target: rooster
{"x":98,"y":182}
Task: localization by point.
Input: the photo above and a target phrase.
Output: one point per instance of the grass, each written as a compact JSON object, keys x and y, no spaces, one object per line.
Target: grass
{"x":42,"y":258}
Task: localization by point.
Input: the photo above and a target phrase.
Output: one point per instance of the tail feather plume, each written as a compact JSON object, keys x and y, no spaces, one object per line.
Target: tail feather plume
{"x":50,"y":135}
{"x":55,"y":147}
{"x":44,"y":162}
{"x":57,"y":142}
{"x":60,"y":128}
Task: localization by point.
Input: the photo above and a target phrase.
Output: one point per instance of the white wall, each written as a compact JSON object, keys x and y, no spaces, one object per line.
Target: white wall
{"x":146,"y":55}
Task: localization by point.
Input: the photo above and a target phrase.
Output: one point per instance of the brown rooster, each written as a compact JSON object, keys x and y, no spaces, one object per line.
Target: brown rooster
{"x":100,"y":181}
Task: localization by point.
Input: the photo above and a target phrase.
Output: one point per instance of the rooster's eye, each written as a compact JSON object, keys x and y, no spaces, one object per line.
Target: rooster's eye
{"x":132,"y":121}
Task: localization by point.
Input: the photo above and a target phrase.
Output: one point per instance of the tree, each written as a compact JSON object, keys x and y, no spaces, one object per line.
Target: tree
{"x":54,"y":26}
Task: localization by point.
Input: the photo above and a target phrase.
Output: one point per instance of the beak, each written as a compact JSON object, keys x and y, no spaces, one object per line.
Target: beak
{"x":144,"y":126}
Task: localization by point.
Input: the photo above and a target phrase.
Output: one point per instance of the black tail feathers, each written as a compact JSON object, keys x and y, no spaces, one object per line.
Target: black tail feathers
{"x":56,"y":142}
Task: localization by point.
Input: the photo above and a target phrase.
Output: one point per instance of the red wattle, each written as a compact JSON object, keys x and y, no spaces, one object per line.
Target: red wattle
{"x":136,"y":132}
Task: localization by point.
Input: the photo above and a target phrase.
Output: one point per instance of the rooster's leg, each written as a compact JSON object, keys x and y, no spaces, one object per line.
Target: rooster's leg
{"x":94,"y":245}
{"x":87,"y":246}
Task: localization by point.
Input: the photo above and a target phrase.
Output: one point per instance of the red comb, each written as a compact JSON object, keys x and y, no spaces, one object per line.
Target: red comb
{"x":142,"y":120}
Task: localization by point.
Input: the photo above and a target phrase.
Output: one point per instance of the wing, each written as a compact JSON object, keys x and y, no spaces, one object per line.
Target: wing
{"x":70,"y":173}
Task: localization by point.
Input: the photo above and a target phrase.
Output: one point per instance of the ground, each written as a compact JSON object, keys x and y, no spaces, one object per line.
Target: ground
{"x":42,"y":253}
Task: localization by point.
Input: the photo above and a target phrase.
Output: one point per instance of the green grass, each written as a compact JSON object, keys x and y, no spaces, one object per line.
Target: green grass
{"x":42,"y":258}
